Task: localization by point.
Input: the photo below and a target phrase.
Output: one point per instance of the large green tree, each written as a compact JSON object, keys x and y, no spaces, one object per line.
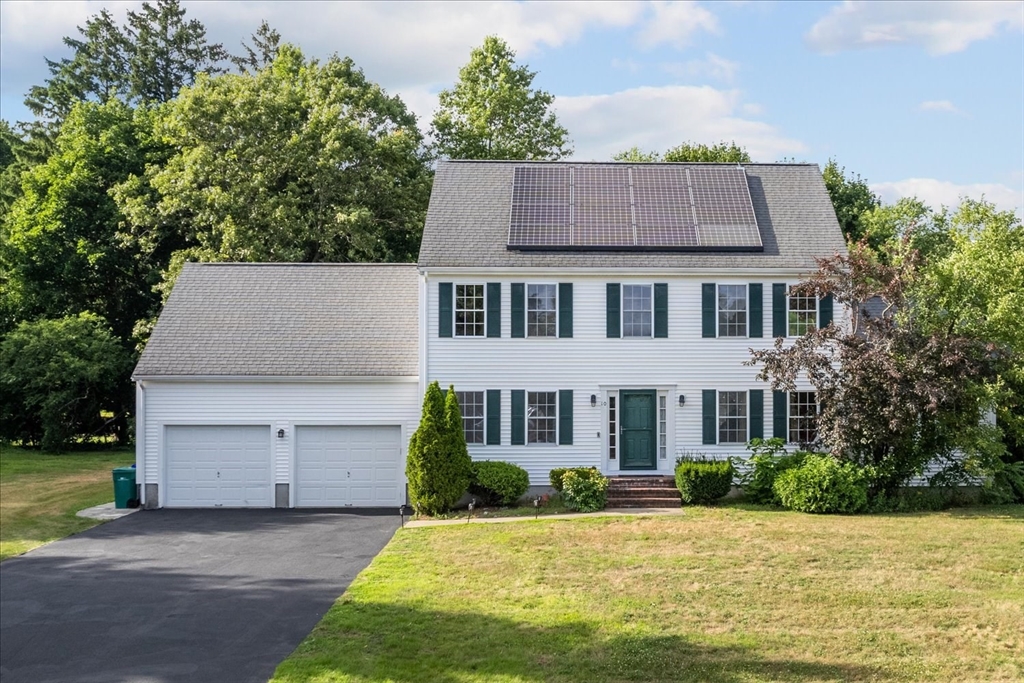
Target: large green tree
{"x":721,"y":152}
{"x":301,"y":161}
{"x":851,"y":198}
{"x":493,"y":112}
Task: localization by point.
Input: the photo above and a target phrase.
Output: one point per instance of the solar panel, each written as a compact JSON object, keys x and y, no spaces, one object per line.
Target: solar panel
{"x":677,"y":207}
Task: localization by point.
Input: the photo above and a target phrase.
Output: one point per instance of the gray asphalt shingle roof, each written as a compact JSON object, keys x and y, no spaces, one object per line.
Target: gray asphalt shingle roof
{"x":309,"y":320}
{"x":467,"y":223}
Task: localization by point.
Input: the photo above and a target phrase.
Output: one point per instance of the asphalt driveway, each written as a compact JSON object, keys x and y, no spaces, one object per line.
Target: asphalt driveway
{"x":179,"y":595}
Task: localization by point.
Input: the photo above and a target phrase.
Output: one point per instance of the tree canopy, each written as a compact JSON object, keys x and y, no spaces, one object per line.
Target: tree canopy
{"x":851,"y":198}
{"x":721,"y":152}
{"x":492,"y":112}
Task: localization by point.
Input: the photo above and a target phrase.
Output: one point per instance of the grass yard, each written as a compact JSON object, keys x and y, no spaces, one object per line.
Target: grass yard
{"x":41,"y":492}
{"x":719,"y":594}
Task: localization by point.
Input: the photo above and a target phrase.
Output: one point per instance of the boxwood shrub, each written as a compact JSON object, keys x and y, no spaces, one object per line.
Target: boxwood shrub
{"x":823,"y":485}
{"x":498,"y":483}
{"x":558,"y":474}
{"x":701,"y":481}
{"x":584,"y":489}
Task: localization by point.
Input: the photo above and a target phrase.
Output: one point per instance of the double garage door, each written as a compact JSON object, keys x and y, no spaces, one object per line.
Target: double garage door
{"x":232,"y":466}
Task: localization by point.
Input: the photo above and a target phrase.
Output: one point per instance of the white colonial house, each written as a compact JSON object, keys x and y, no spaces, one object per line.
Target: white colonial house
{"x":587,"y":314}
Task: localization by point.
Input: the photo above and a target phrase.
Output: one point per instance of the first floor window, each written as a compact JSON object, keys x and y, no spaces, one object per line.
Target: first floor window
{"x":732,"y":310}
{"x":732,"y":417}
{"x":469,"y":310}
{"x":637,"y":311}
{"x":472,"y":405}
{"x":541,"y":311}
{"x":803,"y":314}
{"x":803,"y":417}
{"x":541,"y":413}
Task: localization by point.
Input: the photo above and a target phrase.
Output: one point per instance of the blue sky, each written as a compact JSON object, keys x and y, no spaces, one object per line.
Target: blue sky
{"x":920,"y":98}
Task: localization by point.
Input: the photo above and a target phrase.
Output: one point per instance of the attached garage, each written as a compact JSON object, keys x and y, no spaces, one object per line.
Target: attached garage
{"x":218,"y":466}
{"x":280,"y":385}
{"x":341,"y":466}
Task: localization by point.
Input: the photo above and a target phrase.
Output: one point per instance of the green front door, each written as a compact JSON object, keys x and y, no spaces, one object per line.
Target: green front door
{"x":637,"y":430}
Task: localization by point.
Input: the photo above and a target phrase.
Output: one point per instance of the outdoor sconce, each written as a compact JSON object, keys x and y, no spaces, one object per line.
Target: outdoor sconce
{"x":682,"y":399}
{"x":593,"y":400}
{"x":280,"y":433}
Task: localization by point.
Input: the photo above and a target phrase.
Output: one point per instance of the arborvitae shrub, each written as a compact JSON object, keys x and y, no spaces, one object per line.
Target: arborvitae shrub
{"x":438,"y":462}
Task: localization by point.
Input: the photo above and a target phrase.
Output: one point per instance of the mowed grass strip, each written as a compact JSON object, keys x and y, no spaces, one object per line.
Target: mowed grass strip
{"x":41,"y":492}
{"x":720,"y":594}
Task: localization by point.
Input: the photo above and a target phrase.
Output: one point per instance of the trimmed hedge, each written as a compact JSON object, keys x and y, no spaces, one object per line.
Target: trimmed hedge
{"x":557,"y":475}
{"x":497,"y":482}
{"x":821,"y":484}
{"x":584,"y":489}
{"x":701,"y":482}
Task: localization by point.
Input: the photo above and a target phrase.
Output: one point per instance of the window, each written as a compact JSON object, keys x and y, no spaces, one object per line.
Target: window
{"x":662,"y":427}
{"x":472,"y":405}
{"x":469,"y":310}
{"x":732,"y":310}
{"x":541,"y":311}
{"x":637,"y":316}
{"x":612,"y":428}
{"x":803,"y":417}
{"x":541,"y":413}
{"x":803,"y":314}
{"x":732,"y":417}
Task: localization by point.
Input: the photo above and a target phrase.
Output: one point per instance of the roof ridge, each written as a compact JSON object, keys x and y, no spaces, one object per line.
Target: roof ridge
{"x":323,"y":264}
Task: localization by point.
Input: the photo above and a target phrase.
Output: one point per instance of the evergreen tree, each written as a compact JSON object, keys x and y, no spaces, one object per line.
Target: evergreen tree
{"x":437,"y":475}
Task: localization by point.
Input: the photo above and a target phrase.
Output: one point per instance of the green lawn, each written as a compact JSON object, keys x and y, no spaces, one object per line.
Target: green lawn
{"x":719,"y":594}
{"x":41,"y":492}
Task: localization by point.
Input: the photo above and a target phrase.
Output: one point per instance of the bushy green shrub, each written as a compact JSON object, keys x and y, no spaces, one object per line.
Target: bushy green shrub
{"x":822,"y":484}
{"x":767,"y":462}
{"x":558,"y":473}
{"x":438,"y":466}
{"x":702,"y":481}
{"x":585,"y":489}
{"x":498,"y":483}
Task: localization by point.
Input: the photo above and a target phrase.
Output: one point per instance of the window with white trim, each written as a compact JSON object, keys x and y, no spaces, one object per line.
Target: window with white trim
{"x":637,"y":311}
{"x":541,"y":310}
{"x":613,"y":431}
{"x":803,"y":314}
{"x":803,"y":417}
{"x":732,"y":310}
{"x":469,"y":311}
{"x":732,"y":417}
{"x":541,"y":416}
{"x":662,"y":427}
{"x":472,"y":405}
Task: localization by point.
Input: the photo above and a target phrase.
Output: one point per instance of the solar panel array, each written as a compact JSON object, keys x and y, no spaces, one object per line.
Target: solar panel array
{"x":651,"y":207}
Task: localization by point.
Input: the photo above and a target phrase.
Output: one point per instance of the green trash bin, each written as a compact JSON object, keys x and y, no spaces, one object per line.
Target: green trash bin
{"x":124,"y":487}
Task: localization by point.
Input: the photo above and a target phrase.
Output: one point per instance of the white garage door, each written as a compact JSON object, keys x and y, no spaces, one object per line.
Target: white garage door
{"x":348,"y":466}
{"x":218,"y":466}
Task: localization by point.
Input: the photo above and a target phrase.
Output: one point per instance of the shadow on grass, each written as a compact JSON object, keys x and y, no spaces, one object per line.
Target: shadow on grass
{"x":366,"y":642}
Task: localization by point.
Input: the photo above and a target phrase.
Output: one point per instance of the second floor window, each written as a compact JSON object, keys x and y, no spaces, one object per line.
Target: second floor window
{"x":803,"y":314}
{"x":469,"y":311}
{"x":732,"y":310}
{"x":472,"y":405}
{"x":637,"y":312}
{"x":541,"y":310}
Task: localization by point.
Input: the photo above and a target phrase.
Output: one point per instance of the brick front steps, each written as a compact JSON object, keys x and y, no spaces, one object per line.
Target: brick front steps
{"x":643,"y":492}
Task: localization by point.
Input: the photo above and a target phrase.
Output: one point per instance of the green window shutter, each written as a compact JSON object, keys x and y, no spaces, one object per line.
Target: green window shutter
{"x":614,"y":310}
{"x":518,"y":417}
{"x":709,"y":416}
{"x":660,"y":310}
{"x":779,"y":410}
{"x":757,"y":413}
{"x":493,"y":309}
{"x":518,"y":310}
{"x":755,"y":304}
{"x":493,"y":408}
{"x":565,"y":309}
{"x":707,"y":311}
{"x":444,"y":309}
{"x":779,"y":310}
{"x":825,"y":311}
{"x":565,"y":417}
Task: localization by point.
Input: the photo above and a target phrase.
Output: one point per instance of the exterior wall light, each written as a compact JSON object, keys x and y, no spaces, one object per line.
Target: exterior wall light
{"x":280,"y":433}
{"x":682,"y":399}
{"x":593,"y":400}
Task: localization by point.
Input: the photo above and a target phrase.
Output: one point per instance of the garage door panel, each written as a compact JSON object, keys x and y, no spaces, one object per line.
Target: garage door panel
{"x":348,"y":466}
{"x":218,"y":466}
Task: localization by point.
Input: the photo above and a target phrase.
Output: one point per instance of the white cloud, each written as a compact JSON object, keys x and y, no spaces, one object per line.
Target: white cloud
{"x":674,"y":23}
{"x":659,"y":118}
{"x":712,"y":66}
{"x":940,"y":27}
{"x":936,"y":193}
{"x":939,"y":105}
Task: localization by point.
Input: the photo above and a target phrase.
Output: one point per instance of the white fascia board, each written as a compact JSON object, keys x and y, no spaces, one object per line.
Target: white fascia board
{"x":281,"y":379}
{"x":527,"y":272}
